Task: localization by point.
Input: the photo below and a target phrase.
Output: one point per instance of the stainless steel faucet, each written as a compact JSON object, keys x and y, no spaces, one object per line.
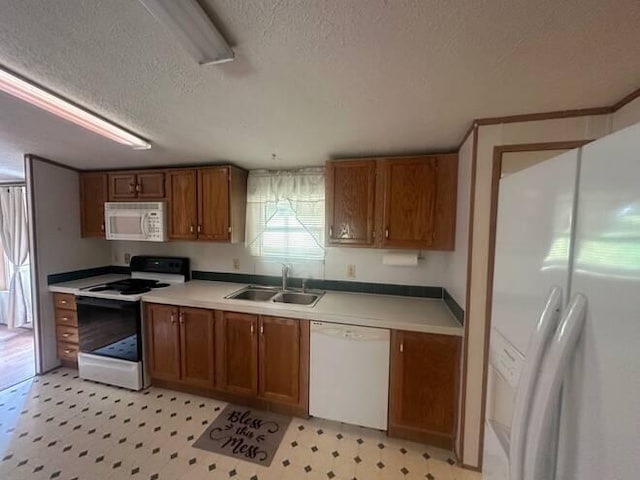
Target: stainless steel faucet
{"x":285,"y":275}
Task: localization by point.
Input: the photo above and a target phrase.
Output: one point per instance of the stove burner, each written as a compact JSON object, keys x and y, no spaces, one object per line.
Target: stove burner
{"x":129,"y":286}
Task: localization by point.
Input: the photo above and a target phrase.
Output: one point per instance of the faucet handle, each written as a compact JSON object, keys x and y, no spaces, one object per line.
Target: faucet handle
{"x":304,"y":284}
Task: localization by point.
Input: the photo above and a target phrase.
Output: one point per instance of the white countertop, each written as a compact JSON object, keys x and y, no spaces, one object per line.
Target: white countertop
{"x":426,"y":315}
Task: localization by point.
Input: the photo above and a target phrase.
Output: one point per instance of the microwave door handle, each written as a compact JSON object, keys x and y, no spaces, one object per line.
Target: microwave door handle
{"x":143,"y":225}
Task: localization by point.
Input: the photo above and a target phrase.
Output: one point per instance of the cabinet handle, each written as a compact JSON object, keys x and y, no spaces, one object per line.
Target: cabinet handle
{"x":139,"y":187}
{"x":386,"y":232}
{"x":181,"y":317}
{"x":173,"y":317}
{"x":401,"y":347}
{"x":131,"y":188}
{"x":199,"y":228}
{"x":252,"y":328}
{"x":373,"y":234}
{"x":191,"y":229}
{"x":331,"y":231}
{"x":102,"y":227}
{"x":65,"y":319}
{"x":67,"y":351}
{"x":63,"y":302}
{"x":262,"y":329}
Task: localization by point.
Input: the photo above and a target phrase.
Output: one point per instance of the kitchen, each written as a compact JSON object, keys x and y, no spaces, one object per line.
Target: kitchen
{"x":453,"y":276}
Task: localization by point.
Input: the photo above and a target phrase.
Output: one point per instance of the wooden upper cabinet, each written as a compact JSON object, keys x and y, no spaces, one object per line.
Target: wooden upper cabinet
{"x":395,"y":202}
{"x":150,"y":185}
{"x":142,"y":185}
{"x":240,"y":356}
{"x":93,"y":194}
{"x":163,"y":341}
{"x":197,"y":346}
{"x":207,"y":203}
{"x":350,"y":201}
{"x":424,"y":387}
{"x":182,"y":211}
{"x":213,"y":204}
{"x":279,"y":359}
{"x":410,"y":189}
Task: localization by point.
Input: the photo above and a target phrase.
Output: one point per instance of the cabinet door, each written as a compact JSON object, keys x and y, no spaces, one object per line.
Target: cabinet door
{"x":240,"y":364}
{"x":122,"y":186}
{"x":150,"y":185}
{"x":213,"y":204}
{"x":279,"y":359}
{"x":93,"y":194}
{"x":182,"y":204}
{"x":424,"y":386}
{"x":163,"y":338}
{"x":197,"y":346}
{"x":350,"y":202}
{"x":410,"y":190}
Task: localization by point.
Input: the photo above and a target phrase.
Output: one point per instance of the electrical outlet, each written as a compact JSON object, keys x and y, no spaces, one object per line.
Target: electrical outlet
{"x":351,"y":271}
{"x":127,"y":258}
{"x":236,"y":264}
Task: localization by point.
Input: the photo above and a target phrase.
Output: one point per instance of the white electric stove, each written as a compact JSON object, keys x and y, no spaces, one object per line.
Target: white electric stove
{"x":110,"y":328}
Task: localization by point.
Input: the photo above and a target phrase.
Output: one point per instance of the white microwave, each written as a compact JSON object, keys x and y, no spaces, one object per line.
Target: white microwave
{"x":142,"y":221}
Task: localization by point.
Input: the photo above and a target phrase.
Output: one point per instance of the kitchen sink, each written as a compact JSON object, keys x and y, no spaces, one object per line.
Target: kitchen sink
{"x":263,"y":294}
{"x":255,"y":294}
{"x":298,"y":298}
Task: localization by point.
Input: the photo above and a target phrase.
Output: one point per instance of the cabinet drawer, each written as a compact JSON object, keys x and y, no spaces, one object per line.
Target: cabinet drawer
{"x":67,"y":318}
{"x":67,"y":334}
{"x":68,"y":351}
{"x":64,"y":300}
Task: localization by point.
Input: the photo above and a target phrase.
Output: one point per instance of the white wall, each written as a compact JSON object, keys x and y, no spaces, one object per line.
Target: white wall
{"x":456,"y":281}
{"x":53,"y":197}
{"x":490,"y":136}
{"x":431,"y":270}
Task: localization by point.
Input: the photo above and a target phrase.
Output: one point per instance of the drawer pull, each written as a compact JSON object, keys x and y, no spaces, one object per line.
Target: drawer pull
{"x":66,"y":335}
{"x":65,"y":319}
{"x":67,"y":351}
{"x":63,"y":302}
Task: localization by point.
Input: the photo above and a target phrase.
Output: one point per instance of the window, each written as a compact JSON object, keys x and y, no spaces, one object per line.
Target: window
{"x":285,"y":214}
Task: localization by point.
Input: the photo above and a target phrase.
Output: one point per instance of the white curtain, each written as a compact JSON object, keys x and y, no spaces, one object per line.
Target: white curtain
{"x":14,"y":236}
{"x":302,"y":189}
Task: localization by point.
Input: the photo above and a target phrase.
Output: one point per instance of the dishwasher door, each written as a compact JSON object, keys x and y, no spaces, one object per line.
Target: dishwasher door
{"x":349,"y":374}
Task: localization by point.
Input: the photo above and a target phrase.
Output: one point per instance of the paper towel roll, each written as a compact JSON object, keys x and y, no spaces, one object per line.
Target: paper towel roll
{"x":400,"y":259}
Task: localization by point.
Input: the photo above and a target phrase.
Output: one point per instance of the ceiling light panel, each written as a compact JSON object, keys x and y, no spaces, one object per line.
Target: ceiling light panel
{"x":37,"y":96}
{"x":193,"y":28}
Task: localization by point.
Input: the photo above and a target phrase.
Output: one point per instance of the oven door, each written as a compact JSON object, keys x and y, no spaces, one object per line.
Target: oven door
{"x":109,"y":328}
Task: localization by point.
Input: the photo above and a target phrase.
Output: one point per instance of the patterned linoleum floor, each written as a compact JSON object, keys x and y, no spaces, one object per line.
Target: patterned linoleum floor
{"x":60,"y":427}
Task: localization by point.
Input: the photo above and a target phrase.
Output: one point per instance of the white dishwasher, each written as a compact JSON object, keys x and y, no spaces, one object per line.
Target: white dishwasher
{"x":349,"y":374}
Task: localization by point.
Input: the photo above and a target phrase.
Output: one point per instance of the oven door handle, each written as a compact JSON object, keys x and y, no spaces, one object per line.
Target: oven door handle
{"x":113,"y":304}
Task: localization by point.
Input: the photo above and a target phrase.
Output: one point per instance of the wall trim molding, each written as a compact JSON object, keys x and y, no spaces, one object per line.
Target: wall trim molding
{"x":534,"y":117}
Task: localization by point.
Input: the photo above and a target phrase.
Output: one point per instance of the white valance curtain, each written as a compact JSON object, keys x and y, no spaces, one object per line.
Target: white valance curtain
{"x":14,"y":236}
{"x":301,"y":190}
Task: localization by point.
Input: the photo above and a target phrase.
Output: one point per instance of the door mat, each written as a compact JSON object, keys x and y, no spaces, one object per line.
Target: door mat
{"x":245,"y":434}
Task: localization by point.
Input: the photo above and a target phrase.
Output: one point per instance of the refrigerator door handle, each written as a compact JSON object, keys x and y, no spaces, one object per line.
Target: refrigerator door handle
{"x":545,"y":328}
{"x":547,"y":396}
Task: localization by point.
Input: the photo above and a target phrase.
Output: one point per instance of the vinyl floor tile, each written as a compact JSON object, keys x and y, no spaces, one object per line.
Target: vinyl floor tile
{"x":57,"y":426}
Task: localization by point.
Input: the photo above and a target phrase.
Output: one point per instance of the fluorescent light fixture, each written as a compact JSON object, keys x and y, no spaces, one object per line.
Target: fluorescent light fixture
{"x":193,"y":28}
{"x":35,"y":95}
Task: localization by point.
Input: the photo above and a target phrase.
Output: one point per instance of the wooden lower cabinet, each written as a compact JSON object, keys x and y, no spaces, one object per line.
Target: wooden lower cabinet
{"x":279,"y":359}
{"x":180,"y":344}
{"x":240,"y":353}
{"x":66,"y":318}
{"x":258,"y":360}
{"x":424,"y":387}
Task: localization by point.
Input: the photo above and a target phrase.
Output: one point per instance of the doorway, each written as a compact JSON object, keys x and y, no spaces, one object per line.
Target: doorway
{"x":17,"y":342}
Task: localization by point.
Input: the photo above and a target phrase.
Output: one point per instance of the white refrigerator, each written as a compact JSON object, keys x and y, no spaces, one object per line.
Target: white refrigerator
{"x":563,"y":396}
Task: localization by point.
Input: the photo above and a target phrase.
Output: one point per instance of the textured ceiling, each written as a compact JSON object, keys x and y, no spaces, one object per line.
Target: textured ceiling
{"x":313,"y":79}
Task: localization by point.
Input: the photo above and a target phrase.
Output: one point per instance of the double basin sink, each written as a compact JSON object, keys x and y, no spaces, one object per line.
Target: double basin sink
{"x":264,"y":294}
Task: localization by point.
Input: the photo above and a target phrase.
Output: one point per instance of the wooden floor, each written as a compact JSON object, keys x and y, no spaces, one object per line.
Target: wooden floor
{"x":17,"y":361}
